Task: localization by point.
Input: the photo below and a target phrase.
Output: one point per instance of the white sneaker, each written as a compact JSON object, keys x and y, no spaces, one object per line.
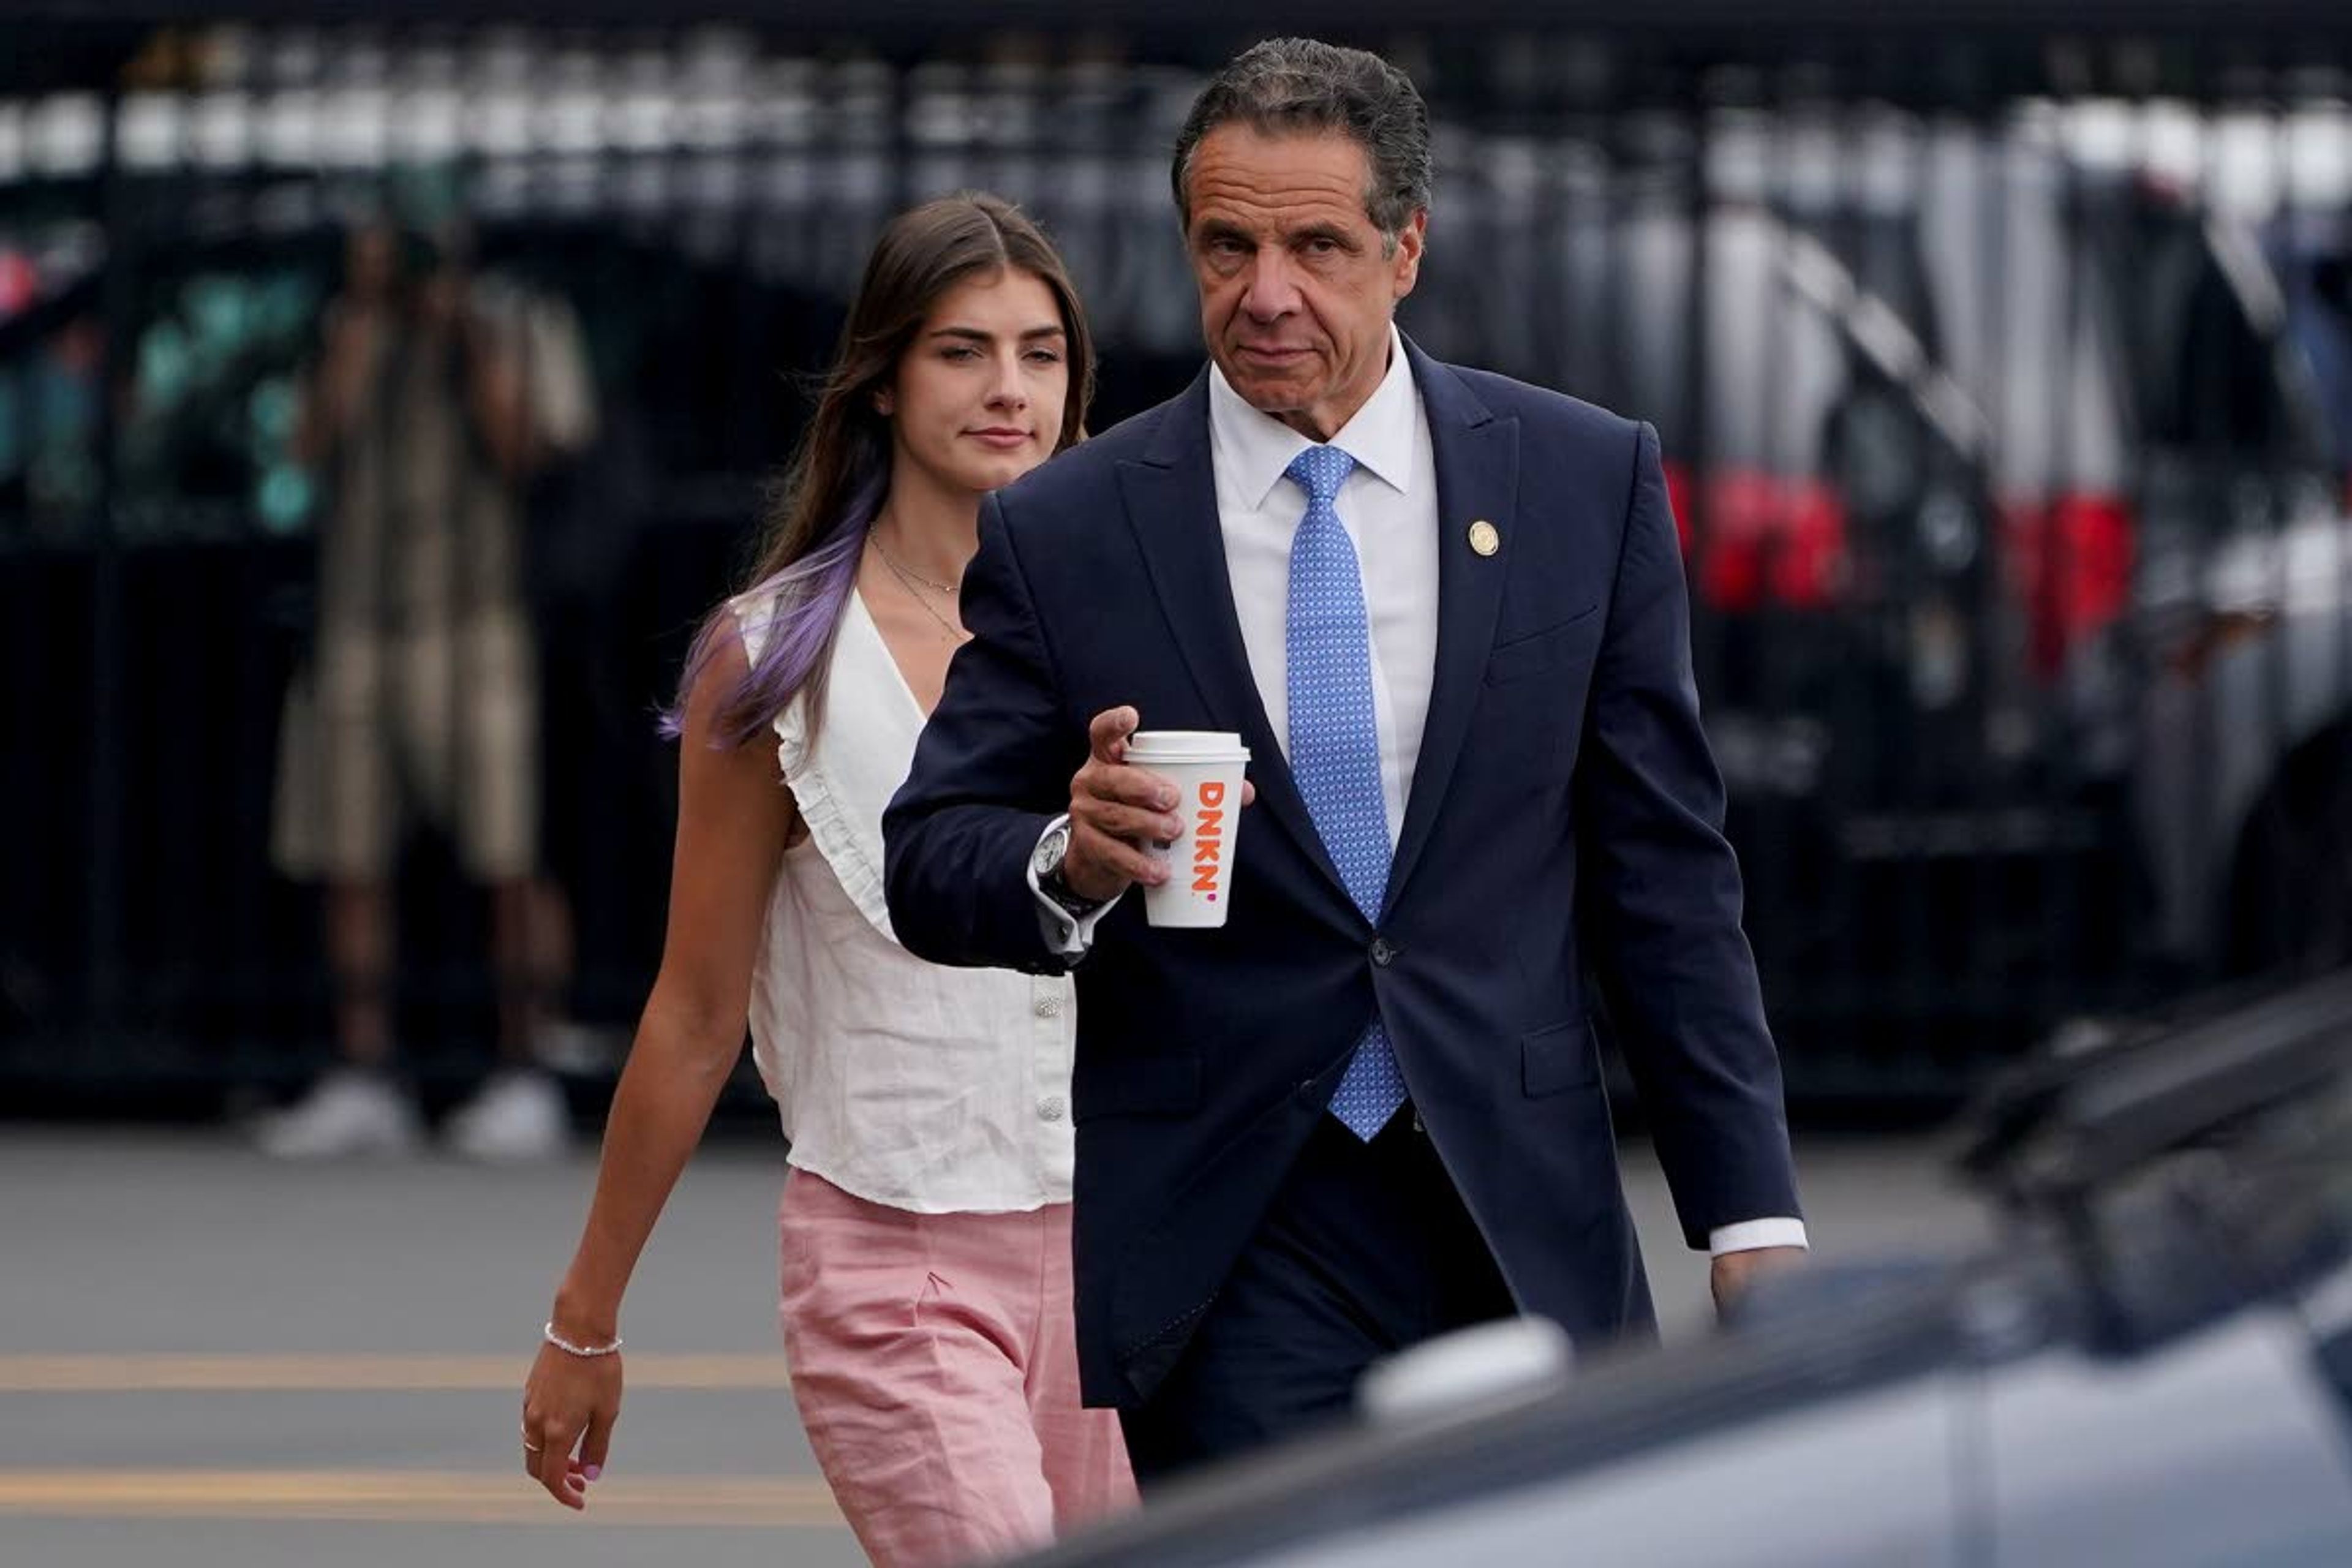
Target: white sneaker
{"x":517,"y":1116}
{"x":346,"y":1112}
{"x":575,"y":1049}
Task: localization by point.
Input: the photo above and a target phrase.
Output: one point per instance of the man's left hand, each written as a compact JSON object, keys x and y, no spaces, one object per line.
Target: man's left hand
{"x":1734,"y":1273}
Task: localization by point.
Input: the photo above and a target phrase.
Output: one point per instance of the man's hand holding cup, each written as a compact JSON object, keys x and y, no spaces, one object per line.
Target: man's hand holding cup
{"x":1157,"y":809}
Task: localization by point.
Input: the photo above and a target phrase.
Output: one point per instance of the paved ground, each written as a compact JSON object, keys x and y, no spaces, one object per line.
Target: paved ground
{"x":209,"y":1358}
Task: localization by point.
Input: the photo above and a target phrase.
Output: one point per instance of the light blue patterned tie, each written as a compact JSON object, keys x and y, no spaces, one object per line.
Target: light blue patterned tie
{"x":1335,"y":746}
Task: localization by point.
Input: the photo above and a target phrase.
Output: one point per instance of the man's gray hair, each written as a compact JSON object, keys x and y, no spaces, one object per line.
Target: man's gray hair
{"x":1286,"y":86}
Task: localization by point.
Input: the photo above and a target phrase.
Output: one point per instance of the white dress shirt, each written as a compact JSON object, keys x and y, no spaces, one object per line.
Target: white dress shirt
{"x":931,"y":1089}
{"x":1388,"y":507}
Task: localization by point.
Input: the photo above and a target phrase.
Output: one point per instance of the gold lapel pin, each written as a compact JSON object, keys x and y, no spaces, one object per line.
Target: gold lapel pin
{"x":1484,"y":539}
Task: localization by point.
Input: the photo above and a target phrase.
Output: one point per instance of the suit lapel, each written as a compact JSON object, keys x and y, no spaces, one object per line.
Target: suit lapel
{"x":1171,"y":504}
{"x":1478,"y":459}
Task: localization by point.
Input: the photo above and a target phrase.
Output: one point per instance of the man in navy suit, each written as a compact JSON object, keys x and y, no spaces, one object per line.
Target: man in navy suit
{"x":1445,"y":613}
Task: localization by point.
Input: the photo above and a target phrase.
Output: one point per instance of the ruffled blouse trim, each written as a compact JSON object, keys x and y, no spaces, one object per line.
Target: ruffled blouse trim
{"x":845,"y":828}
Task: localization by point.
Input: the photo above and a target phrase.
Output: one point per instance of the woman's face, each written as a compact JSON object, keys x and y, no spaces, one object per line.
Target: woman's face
{"x":979,"y":394}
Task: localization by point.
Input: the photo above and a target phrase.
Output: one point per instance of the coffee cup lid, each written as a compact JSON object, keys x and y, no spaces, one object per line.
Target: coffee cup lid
{"x":1186,"y":746}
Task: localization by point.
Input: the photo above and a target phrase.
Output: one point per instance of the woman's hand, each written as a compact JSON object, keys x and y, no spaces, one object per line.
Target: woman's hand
{"x":569,"y":1406}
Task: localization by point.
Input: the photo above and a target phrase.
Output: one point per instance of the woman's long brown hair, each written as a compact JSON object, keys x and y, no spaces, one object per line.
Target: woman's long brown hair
{"x":840,"y":474}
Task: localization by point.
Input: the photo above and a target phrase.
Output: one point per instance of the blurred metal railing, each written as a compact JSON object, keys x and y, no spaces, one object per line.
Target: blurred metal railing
{"x":2005,"y":381}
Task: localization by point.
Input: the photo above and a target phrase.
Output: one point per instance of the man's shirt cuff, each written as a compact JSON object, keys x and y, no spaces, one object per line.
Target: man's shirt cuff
{"x":1750,"y":1235}
{"x":1069,"y":936}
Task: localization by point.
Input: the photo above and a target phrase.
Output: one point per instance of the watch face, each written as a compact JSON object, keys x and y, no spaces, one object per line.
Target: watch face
{"x":1050,"y":849}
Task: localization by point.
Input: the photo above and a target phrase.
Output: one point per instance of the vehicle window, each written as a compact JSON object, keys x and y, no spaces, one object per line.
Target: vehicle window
{"x":2209,"y":381}
{"x":1774,"y":364}
{"x":2028,"y":313}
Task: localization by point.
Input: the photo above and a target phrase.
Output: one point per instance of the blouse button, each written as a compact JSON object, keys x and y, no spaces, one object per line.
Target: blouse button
{"x":1049,"y":1005}
{"x":1051,"y":1107}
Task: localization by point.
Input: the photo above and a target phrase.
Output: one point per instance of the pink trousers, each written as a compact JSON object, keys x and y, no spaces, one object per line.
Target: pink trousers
{"x":934,"y":1358}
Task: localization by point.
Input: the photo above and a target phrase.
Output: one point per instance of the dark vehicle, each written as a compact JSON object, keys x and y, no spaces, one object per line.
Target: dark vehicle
{"x":2017,"y":550}
{"x":2152,"y":1366}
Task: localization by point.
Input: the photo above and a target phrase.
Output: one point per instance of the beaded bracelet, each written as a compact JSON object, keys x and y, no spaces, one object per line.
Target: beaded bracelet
{"x":560,"y":1343}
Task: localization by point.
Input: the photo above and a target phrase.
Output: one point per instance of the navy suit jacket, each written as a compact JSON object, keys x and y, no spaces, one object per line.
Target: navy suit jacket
{"x":1562,"y":847}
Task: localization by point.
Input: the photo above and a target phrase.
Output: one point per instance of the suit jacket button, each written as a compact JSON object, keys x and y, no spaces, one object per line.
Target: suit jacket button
{"x":1383,"y":954}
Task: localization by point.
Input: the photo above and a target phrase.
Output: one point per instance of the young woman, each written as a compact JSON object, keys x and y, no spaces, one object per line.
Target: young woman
{"x":925,"y":1220}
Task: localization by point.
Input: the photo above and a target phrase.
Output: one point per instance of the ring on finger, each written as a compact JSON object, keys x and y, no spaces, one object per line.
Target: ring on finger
{"x":532,"y":1448}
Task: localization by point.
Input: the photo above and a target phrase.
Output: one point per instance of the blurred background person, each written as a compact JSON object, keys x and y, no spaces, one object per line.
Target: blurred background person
{"x":925,"y":1225}
{"x":423,"y":704}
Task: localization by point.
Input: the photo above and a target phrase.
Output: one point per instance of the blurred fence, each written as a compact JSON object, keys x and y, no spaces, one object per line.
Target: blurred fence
{"x":2005,"y":381}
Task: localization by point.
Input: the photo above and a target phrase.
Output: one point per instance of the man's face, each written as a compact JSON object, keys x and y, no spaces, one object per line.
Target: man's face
{"x":1296,"y":285}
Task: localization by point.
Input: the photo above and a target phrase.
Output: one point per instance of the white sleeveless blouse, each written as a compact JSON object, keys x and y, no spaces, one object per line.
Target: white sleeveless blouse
{"x":931,"y":1089}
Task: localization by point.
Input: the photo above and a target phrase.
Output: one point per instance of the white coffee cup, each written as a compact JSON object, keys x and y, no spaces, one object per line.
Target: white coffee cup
{"x":1206,"y":767}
